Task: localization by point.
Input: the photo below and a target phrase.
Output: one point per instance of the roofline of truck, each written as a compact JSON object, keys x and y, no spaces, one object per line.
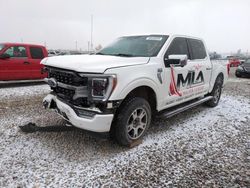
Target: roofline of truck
{"x":164,"y":34}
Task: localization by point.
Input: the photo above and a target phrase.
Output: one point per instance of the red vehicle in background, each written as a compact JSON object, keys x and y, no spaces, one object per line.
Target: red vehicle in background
{"x":21,"y":61}
{"x":234,"y":62}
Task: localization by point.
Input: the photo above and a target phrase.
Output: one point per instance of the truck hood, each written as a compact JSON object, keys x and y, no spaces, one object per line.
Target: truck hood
{"x":92,"y":63}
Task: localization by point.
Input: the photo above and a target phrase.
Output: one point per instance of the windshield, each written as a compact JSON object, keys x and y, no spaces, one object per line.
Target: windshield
{"x":135,"y":46}
{"x":1,"y":46}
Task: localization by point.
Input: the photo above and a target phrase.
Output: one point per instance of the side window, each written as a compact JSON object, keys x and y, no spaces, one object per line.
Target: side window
{"x":178,"y":47}
{"x":16,"y":51}
{"x":36,"y":53}
{"x":197,"y":49}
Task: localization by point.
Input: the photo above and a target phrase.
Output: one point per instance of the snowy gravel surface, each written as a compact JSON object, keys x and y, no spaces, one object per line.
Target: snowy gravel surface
{"x":203,"y":147}
{"x":19,"y":92}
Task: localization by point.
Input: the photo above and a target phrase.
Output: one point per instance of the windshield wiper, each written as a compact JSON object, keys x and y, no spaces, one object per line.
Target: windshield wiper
{"x":119,"y":54}
{"x":100,"y":53}
{"x":124,"y":55}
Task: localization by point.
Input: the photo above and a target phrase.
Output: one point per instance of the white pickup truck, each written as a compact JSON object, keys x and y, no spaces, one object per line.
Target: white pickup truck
{"x":120,"y":88}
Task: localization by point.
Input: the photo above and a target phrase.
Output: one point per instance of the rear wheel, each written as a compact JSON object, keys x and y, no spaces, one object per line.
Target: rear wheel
{"x":216,"y":92}
{"x":133,"y":119}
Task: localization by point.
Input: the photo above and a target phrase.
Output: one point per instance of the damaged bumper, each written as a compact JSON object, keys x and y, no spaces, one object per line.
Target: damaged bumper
{"x":88,"y":119}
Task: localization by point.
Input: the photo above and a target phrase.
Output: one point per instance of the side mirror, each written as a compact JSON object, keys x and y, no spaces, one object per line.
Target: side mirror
{"x":179,"y":60}
{"x":4,"y":56}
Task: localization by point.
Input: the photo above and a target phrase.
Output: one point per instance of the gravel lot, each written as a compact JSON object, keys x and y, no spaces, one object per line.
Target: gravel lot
{"x":204,"y":147}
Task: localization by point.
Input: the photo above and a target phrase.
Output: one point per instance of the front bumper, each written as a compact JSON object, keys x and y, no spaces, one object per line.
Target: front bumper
{"x":97,"y":123}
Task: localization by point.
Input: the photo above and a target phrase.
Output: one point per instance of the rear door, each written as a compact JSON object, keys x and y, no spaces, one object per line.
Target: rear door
{"x":36,"y":54}
{"x":17,"y":67}
{"x":201,"y":65}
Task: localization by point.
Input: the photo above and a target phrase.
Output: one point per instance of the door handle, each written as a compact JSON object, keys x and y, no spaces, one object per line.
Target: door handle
{"x":26,"y":62}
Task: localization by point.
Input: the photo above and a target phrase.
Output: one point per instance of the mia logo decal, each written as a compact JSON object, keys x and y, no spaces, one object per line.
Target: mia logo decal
{"x":191,"y":80}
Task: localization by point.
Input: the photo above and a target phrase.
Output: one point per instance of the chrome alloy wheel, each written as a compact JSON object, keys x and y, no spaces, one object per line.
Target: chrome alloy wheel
{"x":137,"y":123}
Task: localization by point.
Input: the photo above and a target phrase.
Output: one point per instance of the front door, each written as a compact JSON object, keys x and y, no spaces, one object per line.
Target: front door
{"x":182,"y":83}
{"x":17,"y":67}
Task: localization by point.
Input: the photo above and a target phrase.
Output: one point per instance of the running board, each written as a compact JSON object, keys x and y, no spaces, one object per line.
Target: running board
{"x":183,"y":107}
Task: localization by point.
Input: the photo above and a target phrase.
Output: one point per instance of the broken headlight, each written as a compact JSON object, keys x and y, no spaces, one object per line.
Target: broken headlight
{"x":100,"y":87}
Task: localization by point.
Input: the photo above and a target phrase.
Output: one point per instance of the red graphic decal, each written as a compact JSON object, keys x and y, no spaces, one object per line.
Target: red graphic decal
{"x":197,"y":67}
{"x":172,"y":87}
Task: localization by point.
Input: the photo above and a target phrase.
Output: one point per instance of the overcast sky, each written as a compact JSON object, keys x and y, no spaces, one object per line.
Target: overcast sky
{"x":223,"y":24}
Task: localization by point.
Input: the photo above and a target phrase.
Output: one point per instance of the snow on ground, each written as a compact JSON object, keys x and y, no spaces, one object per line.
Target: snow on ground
{"x":168,"y":153}
{"x":201,"y":147}
{"x":239,"y":80}
{"x":18,"y":92}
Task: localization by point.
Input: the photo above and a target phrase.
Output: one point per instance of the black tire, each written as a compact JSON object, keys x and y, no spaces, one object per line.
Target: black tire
{"x":237,"y":75}
{"x":129,"y":114}
{"x":216,"y":92}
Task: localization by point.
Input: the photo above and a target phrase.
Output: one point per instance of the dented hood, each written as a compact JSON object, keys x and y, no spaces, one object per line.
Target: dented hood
{"x":92,"y":63}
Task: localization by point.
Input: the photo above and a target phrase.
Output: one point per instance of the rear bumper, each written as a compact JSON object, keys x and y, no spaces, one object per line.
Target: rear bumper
{"x":96,"y":123}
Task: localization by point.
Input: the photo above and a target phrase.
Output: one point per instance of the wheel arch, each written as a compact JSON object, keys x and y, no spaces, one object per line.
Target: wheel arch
{"x":220,"y":74}
{"x":138,"y":87}
{"x":145,"y":92}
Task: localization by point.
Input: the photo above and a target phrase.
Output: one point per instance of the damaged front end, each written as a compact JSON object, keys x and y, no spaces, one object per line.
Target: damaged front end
{"x":82,"y":98}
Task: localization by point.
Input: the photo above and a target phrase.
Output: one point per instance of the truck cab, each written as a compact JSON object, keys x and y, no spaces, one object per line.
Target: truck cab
{"x":120,"y":88}
{"x":21,"y":61}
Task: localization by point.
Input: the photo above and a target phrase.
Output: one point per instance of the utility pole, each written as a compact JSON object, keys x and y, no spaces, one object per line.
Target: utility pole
{"x":91,"y":36}
{"x":76,"y":45}
{"x":88,"y":47}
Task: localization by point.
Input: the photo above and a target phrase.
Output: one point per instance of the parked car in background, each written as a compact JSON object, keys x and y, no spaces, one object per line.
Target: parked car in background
{"x":242,"y":61}
{"x":234,"y":62}
{"x":53,"y":53}
{"x":214,"y":55}
{"x":243,"y":69}
{"x":21,"y":61}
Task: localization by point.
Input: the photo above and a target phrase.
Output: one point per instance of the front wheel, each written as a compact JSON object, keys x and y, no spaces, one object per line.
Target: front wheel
{"x":133,"y":119}
{"x":216,"y":92}
{"x":237,"y":75}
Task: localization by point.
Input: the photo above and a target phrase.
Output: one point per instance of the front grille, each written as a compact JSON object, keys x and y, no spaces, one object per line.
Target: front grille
{"x":67,"y":77}
{"x":65,"y":93}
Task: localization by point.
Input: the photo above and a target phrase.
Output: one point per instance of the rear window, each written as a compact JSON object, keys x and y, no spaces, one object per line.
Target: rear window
{"x":197,"y":49}
{"x":36,"y":53}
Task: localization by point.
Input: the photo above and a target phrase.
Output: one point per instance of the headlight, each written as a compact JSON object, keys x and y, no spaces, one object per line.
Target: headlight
{"x":100,"y":87}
